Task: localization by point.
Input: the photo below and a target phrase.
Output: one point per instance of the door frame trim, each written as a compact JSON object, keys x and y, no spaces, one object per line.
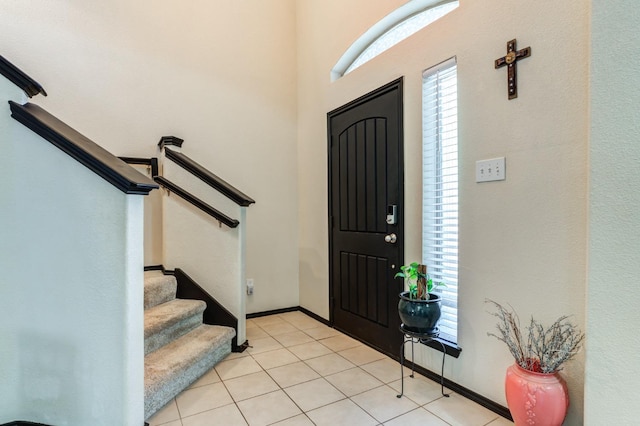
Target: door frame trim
{"x":397,"y":84}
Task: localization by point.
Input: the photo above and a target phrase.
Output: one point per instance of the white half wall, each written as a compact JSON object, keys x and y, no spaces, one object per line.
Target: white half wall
{"x":71,"y":255}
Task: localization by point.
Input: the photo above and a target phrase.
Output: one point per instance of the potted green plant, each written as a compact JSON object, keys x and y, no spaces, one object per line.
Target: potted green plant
{"x":536,"y":394}
{"x":418,"y":307}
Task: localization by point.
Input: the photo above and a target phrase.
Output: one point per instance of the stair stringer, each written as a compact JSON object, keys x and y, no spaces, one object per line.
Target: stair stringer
{"x":215,"y":313}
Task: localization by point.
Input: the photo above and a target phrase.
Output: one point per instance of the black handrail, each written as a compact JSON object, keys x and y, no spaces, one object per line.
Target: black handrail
{"x":209,"y":178}
{"x":20,"y":79}
{"x":93,"y":156}
{"x":232,"y":223}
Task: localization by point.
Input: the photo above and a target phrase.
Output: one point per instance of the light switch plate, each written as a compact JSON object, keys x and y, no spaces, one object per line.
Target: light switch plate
{"x":490,"y":170}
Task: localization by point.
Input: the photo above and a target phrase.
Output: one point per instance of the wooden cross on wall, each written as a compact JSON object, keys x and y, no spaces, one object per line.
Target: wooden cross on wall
{"x":510,"y":60}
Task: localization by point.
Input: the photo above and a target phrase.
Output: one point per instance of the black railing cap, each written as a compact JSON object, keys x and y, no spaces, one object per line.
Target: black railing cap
{"x":217,"y":183}
{"x":20,"y":79}
{"x":85,"y":151}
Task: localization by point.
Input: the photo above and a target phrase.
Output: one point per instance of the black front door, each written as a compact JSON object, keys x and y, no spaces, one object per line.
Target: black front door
{"x":366,"y":216}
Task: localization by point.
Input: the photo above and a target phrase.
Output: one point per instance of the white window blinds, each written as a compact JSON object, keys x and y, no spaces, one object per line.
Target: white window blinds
{"x":440,"y":188}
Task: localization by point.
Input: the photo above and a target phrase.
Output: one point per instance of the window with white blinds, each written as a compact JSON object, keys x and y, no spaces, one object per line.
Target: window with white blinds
{"x":440,"y":188}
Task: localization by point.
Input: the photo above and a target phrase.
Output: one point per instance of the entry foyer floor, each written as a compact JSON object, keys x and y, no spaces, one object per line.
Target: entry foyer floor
{"x":301,"y":372}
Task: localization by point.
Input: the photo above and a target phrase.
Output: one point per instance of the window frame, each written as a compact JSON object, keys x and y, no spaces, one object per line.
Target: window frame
{"x":440,"y":187}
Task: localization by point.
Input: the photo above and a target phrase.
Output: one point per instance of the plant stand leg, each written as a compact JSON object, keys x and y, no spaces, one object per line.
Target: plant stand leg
{"x":413,"y":364}
{"x":402,"y":365}
{"x":418,"y":338}
{"x":444,"y":353}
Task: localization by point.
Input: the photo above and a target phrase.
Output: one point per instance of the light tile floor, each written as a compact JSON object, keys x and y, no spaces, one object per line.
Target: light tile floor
{"x":301,"y":372}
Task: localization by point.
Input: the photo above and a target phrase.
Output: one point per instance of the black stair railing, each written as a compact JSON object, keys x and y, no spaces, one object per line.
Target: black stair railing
{"x":192,"y":199}
{"x":198,"y":171}
{"x":209,"y":178}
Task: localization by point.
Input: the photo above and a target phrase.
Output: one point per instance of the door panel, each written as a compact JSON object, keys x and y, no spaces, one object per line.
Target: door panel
{"x":365,"y":177}
{"x":368,"y":297}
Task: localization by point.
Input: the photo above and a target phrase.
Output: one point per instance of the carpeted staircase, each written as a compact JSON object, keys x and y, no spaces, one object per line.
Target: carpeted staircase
{"x":178,"y":347}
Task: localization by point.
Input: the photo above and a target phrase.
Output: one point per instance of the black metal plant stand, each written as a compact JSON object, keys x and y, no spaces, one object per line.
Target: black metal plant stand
{"x":413,"y":337}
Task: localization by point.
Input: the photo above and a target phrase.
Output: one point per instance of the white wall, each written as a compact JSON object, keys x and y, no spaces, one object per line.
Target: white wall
{"x":522,"y":241}
{"x":612,"y":376}
{"x":210,"y":252}
{"x":71,"y":255}
{"x":221,"y":75}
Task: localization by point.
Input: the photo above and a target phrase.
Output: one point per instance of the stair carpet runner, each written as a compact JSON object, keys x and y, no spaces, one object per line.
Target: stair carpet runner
{"x":178,"y":347}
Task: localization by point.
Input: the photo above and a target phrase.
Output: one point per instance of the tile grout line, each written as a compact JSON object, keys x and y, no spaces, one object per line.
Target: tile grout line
{"x":232,"y":399}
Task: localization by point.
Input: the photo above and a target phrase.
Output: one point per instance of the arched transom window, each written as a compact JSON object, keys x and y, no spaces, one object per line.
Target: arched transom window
{"x":391,"y":30}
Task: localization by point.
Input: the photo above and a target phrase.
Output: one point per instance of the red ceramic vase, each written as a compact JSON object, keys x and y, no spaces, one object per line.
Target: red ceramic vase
{"x":539,"y":399}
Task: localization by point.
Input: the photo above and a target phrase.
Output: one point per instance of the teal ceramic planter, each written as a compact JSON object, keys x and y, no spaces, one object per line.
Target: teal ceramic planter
{"x":420,"y":316}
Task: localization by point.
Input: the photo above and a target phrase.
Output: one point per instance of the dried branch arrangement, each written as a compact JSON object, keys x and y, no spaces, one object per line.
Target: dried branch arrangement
{"x":542,"y":350}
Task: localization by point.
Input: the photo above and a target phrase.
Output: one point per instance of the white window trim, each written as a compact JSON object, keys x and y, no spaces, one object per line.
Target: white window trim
{"x":379,"y":29}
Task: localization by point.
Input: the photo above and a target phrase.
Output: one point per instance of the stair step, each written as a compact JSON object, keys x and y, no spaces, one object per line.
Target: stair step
{"x":168,"y":321}
{"x":172,"y":368}
{"x":158,"y":288}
